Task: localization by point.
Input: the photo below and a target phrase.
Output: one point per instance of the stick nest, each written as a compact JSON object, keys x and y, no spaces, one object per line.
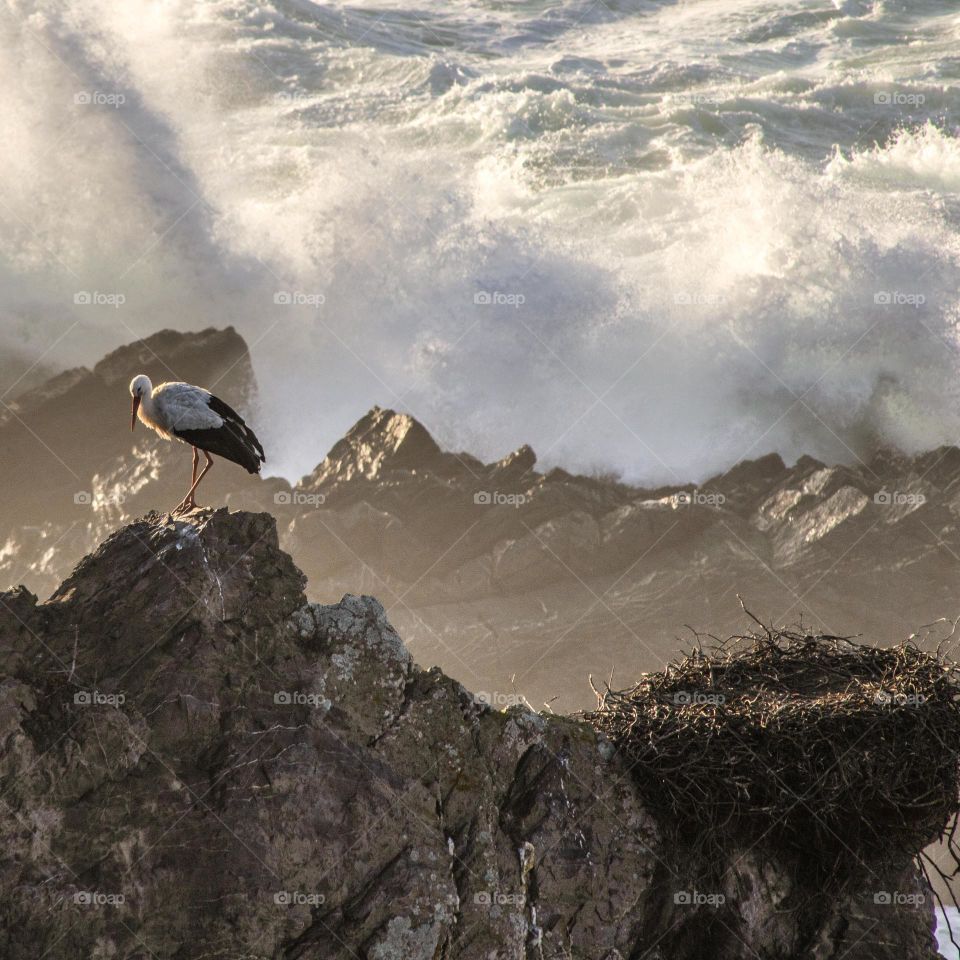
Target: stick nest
{"x":822,"y":742}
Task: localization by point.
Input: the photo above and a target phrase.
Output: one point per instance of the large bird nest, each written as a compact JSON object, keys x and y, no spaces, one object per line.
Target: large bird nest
{"x":823,"y":744}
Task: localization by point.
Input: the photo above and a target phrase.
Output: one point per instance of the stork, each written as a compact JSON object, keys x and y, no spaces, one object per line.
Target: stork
{"x":181,"y":411}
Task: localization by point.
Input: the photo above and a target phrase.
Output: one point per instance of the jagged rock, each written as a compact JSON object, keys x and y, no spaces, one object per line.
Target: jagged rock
{"x":379,"y":443}
{"x":747,"y":480}
{"x":171,"y":355}
{"x":842,"y":507}
{"x":495,"y":570}
{"x":197,"y":762}
{"x":515,"y":466}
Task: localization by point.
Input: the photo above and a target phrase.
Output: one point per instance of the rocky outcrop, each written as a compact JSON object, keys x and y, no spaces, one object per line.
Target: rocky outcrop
{"x":507,"y":575}
{"x":197,"y":762}
{"x":71,"y":469}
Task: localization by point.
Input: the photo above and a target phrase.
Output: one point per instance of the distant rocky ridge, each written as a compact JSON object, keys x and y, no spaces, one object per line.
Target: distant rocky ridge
{"x":517,"y":582}
{"x":197,"y":762}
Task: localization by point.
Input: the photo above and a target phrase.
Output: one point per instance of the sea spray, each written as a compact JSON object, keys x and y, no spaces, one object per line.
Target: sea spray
{"x":605,"y":232}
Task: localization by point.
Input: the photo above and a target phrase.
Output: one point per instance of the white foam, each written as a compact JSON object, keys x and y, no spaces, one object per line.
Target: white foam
{"x":923,"y":159}
{"x":698,"y":271}
{"x":948,"y":919}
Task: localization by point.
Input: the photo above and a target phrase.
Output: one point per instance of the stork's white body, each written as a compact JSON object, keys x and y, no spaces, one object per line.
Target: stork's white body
{"x":174,"y":406}
{"x":181,"y":411}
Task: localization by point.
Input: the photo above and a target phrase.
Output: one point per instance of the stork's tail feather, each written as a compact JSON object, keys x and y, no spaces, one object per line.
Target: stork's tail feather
{"x":234,"y":440}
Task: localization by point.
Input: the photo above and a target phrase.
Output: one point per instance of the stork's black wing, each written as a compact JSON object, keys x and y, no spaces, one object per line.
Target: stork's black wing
{"x":234,"y":440}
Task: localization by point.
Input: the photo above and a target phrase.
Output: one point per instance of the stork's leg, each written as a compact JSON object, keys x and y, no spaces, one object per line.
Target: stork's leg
{"x":188,"y":501}
{"x":182,"y":505}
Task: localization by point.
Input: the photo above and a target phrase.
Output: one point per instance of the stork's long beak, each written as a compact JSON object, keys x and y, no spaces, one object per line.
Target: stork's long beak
{"x":134,"y":406}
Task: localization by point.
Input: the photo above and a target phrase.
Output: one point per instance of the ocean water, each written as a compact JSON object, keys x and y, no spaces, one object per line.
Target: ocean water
{"x":948,"y":919}
{"x":652,"y":237}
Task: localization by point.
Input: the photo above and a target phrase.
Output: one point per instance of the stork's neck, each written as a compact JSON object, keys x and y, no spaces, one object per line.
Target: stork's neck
{"x":147,"y":406}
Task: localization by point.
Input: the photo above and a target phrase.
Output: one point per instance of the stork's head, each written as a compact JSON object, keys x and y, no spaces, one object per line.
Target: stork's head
{"x":140,"y":387}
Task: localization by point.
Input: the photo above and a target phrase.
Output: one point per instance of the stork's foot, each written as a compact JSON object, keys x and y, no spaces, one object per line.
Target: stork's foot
{"x":185,"y":506}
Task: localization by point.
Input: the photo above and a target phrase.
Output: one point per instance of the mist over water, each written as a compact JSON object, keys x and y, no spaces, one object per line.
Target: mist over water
{"x":650,"y":237}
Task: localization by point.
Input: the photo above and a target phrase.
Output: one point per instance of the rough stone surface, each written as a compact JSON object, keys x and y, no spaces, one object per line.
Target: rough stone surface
{"x":197,"y":763}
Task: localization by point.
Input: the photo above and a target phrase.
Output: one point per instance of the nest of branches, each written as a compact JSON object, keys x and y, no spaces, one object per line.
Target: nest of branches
{"x":818,"y":741}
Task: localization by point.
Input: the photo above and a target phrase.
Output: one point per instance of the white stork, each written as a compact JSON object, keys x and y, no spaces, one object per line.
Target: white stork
{"x":181,"y":411}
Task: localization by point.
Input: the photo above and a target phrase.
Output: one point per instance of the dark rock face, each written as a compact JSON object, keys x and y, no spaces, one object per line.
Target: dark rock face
{"x":197,"y":762}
